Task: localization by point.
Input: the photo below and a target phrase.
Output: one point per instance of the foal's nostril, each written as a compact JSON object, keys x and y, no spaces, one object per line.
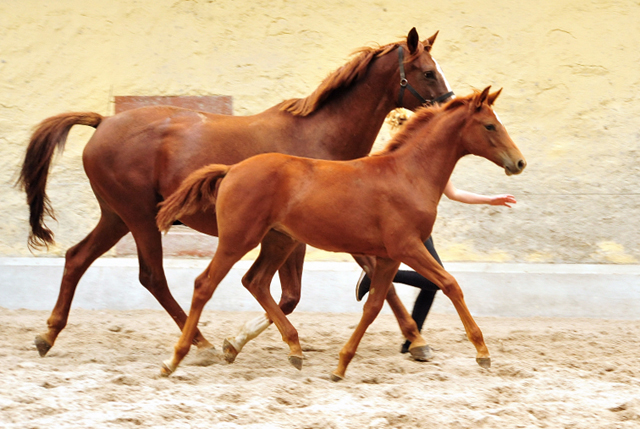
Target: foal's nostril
{"x":522,"y":164}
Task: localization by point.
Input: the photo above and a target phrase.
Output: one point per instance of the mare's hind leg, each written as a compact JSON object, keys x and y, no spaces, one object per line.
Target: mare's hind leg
{"x":105,"y":235}
{"x":383,"y":274}
{"x":149,"y":243}
{"x":204,"y":287}
{"x":291,"y":281}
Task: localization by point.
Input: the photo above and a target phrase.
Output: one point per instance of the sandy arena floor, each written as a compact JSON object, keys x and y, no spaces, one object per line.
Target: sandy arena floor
{"x":104,"y":373}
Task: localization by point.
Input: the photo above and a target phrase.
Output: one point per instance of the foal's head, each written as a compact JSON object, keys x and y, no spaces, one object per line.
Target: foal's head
{"x":484,"y":135}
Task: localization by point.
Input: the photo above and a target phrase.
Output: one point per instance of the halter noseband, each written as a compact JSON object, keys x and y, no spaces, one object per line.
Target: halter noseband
{"x":404,"y":84}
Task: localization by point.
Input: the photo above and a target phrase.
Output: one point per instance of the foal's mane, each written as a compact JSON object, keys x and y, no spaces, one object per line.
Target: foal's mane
{"x":343,"y":78}
{"x":422,"y":117}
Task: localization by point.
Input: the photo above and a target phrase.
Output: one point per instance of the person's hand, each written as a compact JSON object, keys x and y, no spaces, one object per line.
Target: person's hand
{"x":502,"y":200}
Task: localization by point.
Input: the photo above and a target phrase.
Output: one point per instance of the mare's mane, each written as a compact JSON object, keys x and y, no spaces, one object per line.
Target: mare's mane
{"x":343,"y":78}
{"x":421,"y":118}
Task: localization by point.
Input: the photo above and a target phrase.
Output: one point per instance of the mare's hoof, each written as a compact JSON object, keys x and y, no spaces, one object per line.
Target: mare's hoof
{"x":484,"y":362}
{"x":296,"y":361}
{"x":42,"y":345}
{"x":167,"y":369}
{"x":335,"y":377}
{"x":229,"y":351}
{"x":421,"y":353}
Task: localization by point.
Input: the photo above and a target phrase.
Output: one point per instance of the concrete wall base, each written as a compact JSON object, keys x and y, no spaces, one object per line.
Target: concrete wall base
{"x":502,"y":290}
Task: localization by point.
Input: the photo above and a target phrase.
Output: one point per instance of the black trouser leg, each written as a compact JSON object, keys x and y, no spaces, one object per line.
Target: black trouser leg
{"x":427,"y":293}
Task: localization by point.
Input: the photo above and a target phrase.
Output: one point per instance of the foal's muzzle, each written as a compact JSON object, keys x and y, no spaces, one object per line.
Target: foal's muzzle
{"x":516,"y":167}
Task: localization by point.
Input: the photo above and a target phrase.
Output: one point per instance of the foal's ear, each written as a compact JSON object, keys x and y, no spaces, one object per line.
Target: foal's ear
{"x":428,"y":44}
{"x":492,"y":97}
{"x":482,"y":97}
{"x":413,"y":40}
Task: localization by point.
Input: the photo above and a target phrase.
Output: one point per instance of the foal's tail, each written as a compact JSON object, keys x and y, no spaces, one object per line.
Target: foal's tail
{"x":197,"y":192}
{"x":51,"y":133}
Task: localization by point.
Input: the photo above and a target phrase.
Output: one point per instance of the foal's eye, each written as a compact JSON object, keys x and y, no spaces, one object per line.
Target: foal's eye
{"x":490,"y":127}
{"x":429,"y":75}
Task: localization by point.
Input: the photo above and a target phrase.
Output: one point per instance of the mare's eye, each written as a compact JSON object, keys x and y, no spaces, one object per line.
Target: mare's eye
{"x":490,"y":127}
{"x":429,"y":75}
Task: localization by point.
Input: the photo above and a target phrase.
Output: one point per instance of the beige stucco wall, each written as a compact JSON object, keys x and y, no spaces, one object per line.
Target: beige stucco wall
{"x":571,"y":100}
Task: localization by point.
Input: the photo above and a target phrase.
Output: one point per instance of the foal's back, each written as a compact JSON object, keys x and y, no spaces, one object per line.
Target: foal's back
{"x":341,"y":206}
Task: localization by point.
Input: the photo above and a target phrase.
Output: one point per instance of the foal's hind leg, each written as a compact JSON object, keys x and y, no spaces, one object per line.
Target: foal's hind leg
{"x":276,"y":247}
{"x":149,"y":243}
{"x":291,"y":282}
{"x":380,"y":283}
{"x":204,"y":287}
{"x":78,"y":258}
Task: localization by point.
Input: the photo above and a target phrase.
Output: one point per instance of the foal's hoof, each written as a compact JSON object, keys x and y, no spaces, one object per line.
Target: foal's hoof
{"x":296,"y":361}
{"x":421,"y":353}
{"x":335,"y":377}
{"x":42,"y":345}
{"x":230,"y":353}
{"x":484,"y":362}
{"x":167,"y":368}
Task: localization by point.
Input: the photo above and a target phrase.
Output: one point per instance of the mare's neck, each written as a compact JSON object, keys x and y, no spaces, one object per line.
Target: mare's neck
{"x":346,"y":126}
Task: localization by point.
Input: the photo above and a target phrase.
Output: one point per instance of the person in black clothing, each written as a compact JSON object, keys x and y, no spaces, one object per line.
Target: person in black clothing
{"x":427,"y":288}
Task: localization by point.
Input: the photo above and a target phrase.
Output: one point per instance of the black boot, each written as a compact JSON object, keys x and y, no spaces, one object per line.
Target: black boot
{"x":363,"y":285}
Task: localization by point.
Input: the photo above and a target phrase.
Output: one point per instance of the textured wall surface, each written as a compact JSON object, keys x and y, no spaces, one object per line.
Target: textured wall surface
{"x":571,"y":100}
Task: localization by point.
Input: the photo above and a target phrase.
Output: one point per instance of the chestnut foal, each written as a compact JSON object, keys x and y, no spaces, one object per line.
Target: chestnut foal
{"x":392,"y":199}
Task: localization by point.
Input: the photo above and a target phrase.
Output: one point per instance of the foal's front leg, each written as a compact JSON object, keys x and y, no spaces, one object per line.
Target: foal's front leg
{"x":383,"y":274}
{"x":422,"y":262}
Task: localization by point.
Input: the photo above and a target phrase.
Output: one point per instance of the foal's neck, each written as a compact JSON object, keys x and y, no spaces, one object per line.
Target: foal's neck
{"x":432,"y":152}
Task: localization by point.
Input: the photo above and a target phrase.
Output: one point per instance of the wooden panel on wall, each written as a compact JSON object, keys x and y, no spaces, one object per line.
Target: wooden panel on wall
{"x":222,"y":104}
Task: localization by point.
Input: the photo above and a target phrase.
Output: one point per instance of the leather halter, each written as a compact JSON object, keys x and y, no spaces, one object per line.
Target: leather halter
{"x":404,"y":84}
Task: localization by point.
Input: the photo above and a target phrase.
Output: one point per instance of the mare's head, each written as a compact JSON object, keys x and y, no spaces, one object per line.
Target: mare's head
{"x":411,"y":77}
{"x":484,"y":135}
{"x":422,"y":82}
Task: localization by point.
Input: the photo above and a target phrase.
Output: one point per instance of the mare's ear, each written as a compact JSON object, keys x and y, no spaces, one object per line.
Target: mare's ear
{"x":413,"y":40}
{"x":492,"y":97}
{"x":482,"y":97}
{"x":428,"y":44}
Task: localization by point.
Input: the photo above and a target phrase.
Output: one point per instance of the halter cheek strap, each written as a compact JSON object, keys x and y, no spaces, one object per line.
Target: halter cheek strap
{"x":404,"y":84}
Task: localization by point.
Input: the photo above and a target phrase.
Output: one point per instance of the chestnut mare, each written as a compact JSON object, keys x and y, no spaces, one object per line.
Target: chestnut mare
{"x":139,"y":157}
{"x":392,"y":199}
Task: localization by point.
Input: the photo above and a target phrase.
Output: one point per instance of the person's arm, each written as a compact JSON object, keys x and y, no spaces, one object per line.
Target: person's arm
{"x":461,"y":196}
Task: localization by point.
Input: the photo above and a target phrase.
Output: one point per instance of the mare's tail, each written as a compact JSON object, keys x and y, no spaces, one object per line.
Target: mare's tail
{"x":197,"y":192}
{"x":51,"y":134}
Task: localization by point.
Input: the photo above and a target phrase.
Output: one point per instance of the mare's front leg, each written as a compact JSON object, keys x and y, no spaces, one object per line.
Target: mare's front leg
{"x":419,"y":349}
{"x":291,"y":281}
{"x":421,"y":261}
{"x":383,"y":274}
